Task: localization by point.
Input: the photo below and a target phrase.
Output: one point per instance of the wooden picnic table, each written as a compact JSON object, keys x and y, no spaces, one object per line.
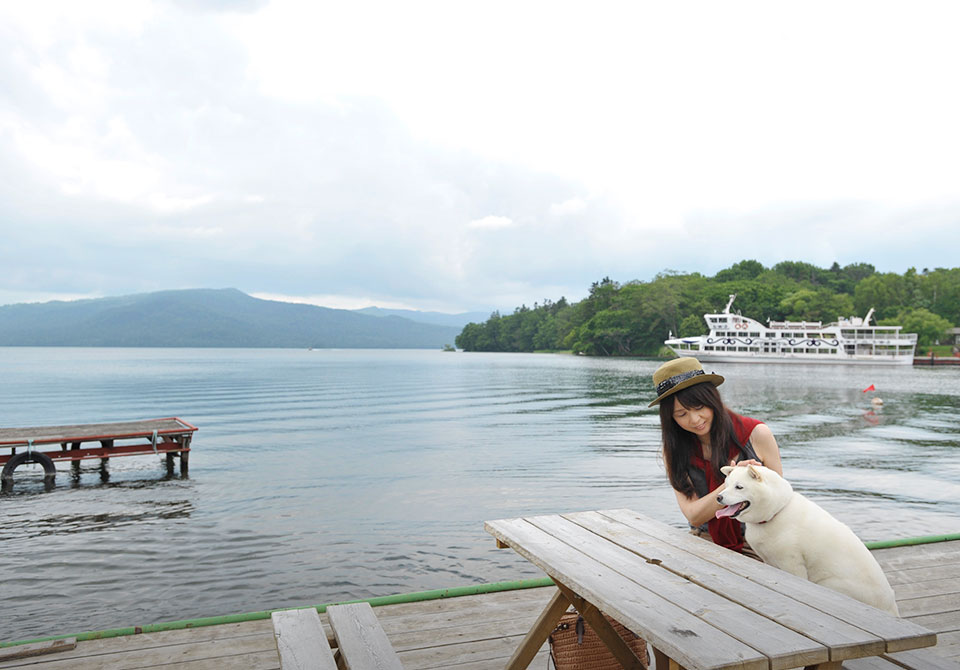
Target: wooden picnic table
{"x":700,"y":606}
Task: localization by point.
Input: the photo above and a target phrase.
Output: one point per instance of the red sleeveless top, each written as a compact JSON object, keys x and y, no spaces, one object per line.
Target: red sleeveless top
{"x":726,"y":532}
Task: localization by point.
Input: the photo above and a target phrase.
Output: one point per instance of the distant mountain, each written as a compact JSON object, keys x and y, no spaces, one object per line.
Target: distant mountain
{"x":209,"y":318}
{"x":457,"y":321}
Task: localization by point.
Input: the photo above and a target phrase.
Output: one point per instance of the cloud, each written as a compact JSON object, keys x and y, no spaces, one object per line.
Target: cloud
{"x":301,"y":149}
{"x":491,"y":222}
{"x":568,"y":207}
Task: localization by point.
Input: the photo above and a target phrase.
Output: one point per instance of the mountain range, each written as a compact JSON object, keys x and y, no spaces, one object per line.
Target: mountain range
{"x":458,"y":321}
{"x":216,"y":318}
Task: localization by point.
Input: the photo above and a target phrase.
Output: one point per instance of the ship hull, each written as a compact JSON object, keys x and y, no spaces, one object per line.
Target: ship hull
{"x":721,"y":357}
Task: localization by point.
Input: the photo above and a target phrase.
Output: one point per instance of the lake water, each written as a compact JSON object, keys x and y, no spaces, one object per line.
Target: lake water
{"x":328,"y":475}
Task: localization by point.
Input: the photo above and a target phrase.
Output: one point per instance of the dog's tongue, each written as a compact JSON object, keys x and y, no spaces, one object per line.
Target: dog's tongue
{"x":729,"y":510}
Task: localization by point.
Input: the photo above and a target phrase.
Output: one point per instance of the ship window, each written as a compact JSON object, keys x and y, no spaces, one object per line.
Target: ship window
{"x":769,"y":334}
{"x":811,"y":351}
{"x":709,"y":347}
{"x":741,"y":348}
{"x":754,"y":334}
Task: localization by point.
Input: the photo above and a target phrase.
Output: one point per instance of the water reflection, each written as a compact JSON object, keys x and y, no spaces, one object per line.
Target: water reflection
{"x":27,"y":526}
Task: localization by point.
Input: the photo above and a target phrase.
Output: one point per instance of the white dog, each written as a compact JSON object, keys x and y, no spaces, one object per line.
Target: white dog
{"x":797,"y":535}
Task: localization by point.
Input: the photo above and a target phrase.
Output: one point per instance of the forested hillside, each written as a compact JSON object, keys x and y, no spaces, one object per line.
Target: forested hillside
{"x":636,"y":317}
{"x":208,"y":318}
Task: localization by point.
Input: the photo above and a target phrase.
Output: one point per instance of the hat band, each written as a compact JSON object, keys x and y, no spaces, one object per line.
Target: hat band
{"x":669,"y":383}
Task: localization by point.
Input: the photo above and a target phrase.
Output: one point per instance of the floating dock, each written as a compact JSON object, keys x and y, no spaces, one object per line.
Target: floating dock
{"x":46,"y":444}
{"x":480,"y":632}
{"x":936,"y":360}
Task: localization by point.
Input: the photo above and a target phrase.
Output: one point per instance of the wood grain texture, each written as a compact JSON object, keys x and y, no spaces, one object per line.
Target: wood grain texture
{"x":681,"y":635}
{"x":301,"y":640}
{"x":898,"y":634}
{"x":784,"y":647}
{"x":922,"y":659}
{"x":363,"y":644}
{"x":91,"y":431}
{"x":37,"y":649}
{"x":545,"y":624}
{"x":843,"y":639}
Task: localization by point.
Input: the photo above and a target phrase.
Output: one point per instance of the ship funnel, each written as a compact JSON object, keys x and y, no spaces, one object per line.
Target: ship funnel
{"x":866,"y":319}
{"x":726,"y":310}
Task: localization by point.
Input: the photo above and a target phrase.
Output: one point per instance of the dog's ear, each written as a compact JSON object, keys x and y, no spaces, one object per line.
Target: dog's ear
{"x":754,"y":473}
{"x":726,"y":469}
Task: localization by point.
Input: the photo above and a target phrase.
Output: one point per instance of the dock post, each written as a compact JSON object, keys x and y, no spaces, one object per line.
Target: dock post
{"x":106,"y":444}
{"x":104,"y":460}
{"x":185,"y":456}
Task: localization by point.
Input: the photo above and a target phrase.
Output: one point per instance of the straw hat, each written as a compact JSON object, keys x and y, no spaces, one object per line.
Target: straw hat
{"x":678,"y":374}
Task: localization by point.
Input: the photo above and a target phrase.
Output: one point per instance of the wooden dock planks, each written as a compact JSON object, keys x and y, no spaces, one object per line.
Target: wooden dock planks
{"x":94,"y":431}
{"x":468,"y":633}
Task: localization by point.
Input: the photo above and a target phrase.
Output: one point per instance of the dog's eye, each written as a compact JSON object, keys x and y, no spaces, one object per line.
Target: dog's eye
{"x":738,"y":486}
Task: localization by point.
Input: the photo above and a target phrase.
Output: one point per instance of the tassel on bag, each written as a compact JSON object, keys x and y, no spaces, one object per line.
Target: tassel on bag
{"x":574,"y":646}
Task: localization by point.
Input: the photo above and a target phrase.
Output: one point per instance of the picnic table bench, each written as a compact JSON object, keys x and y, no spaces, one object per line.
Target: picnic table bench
{"x":362,"y":645}
{"x":700,"y":606}
{"x":46,"y":444}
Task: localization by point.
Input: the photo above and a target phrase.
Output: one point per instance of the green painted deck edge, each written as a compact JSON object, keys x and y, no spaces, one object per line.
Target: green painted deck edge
{"x":909,"y":541}
{"x":417,"y":596}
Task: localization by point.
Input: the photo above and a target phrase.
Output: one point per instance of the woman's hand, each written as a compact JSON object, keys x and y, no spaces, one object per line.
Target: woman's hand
{"x":746,"y":461}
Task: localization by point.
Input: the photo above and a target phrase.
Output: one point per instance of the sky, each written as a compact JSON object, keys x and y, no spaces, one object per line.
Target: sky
{"x":456,"y":156}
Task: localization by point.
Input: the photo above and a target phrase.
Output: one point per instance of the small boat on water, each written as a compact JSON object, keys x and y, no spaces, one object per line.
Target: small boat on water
{"x":737,"y":339}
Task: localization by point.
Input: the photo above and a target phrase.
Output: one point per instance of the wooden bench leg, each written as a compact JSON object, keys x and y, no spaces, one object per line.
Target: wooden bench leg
{"x":620,"y":650}
{"x":664,"y":662}
{"x":546,"y":623}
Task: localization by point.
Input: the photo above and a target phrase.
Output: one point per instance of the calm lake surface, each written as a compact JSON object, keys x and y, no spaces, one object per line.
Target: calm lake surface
{"x":328,"y":475}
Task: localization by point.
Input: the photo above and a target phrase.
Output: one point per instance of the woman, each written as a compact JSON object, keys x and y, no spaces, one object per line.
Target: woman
{"x":700,"y":435}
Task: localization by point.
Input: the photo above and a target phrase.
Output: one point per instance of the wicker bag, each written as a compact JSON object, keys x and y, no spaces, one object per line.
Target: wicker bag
{"x":574,"y":646}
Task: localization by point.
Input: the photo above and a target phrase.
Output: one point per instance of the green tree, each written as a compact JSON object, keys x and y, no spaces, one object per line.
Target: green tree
{"x":929,"y":327}
{"x":886,"y":293}
{"x":816,"y":305}
{"x":803,"y":272}
{"x":636,"y":317}
{"x":691,"y":326}
{"x":941,"y":290}
{"x":741,"y":270}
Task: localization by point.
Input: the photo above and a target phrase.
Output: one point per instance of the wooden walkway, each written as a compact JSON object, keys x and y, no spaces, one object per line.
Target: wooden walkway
{"x":45,"y":444}
{"x":478,"y":632}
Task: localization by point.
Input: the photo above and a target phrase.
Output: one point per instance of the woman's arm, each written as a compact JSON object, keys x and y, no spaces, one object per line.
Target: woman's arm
{"x":699,"y":510}
{"x":765,"y":444}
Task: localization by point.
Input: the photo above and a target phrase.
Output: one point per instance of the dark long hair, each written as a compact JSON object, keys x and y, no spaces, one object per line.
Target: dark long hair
{"x":678,"y":443}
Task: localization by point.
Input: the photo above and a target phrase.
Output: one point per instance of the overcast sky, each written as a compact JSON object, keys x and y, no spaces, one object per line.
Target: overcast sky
{"x":467,"y":156}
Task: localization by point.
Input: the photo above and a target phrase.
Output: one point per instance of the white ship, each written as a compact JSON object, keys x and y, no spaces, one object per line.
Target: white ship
{"x":737,"y":339}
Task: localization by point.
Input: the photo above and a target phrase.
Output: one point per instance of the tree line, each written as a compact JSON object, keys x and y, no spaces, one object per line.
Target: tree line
{"x":634,"y":318}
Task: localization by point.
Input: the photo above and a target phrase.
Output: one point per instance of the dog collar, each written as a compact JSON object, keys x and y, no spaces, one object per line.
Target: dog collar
{"x":770,"y":519}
